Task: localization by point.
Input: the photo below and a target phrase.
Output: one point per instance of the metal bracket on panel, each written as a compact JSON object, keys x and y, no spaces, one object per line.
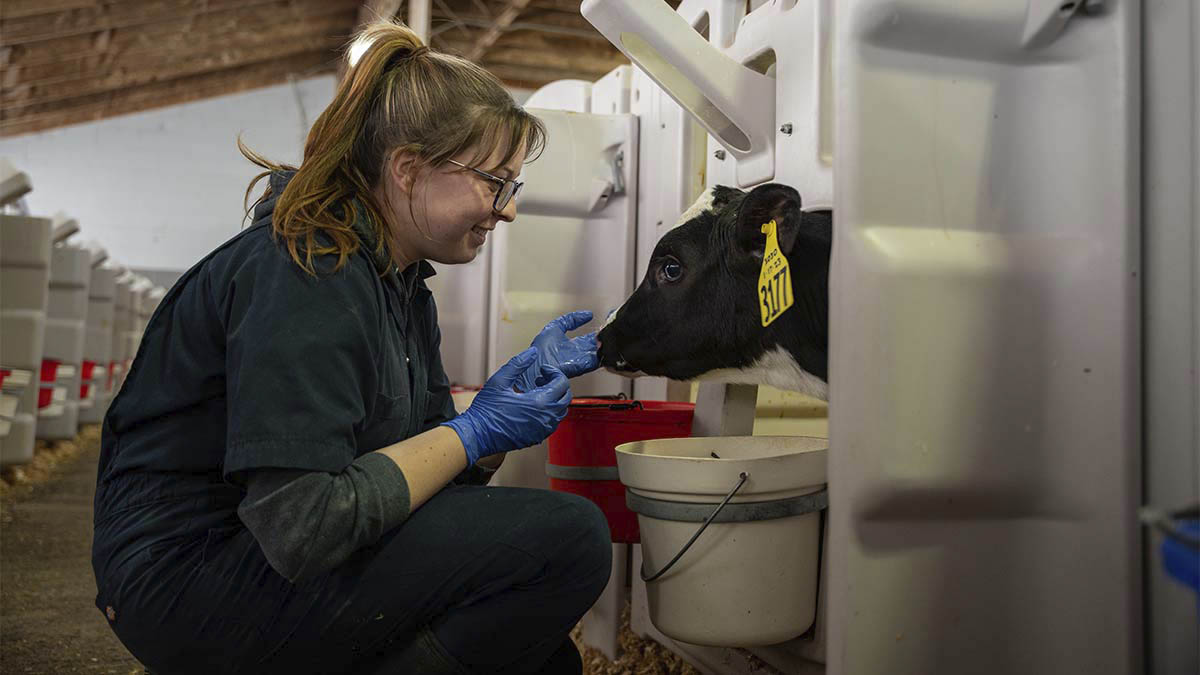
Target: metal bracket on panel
{"x":735,"y":104}
{"x":618,"y":166}
{"x":603,"y":190}
{"x":582,"y":168}
{"x":1045,"y":20}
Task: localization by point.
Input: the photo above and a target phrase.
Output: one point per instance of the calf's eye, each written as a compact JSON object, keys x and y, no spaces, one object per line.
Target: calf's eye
{"x":670,"y":272}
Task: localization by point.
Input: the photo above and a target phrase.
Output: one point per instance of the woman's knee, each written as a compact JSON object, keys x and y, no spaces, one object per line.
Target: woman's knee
{"x":579,"y":540}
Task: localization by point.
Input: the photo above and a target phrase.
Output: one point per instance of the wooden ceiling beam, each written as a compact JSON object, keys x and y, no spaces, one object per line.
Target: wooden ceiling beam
{"x":520,"y":84}
{"x":565,"y":63}
{"x":23,"y":8}
{"x":504,"y":19}
{"x":533,"y":54}
{"x":69,"y":61}
{"x":178,"y":14}
{"x":448,"y":19}
{"x":534,"y":77}
{"x":377,"y":10}
{"x":554,"y":42}
{"x":107,"y":44}
{"x":571,"y":6}
{"x":18,"y":9}
{"x":171,"y":63}
{"x":540,"y":17}
{"x":124,"y":53}
{"x":584,"y":32}
{"x":157,"y":94}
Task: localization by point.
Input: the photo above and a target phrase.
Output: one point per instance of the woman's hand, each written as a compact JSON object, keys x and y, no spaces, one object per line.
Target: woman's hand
{"x":572,"y":356}
{"x":501,"y":419}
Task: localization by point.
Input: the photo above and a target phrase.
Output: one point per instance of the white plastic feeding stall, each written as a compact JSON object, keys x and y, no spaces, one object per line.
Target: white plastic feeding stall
{"x":122,"y":325}
{"x":149,"y":303}
{"x":985,"y":411}
{"x":24,"y":292}
{"x":136,"y":299}
{"x":95,"y":388}
{"x":62,"y":356}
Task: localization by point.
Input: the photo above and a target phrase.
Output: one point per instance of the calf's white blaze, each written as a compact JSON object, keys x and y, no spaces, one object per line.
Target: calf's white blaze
{"x":702,"y":204}
{"x":776,"y":368}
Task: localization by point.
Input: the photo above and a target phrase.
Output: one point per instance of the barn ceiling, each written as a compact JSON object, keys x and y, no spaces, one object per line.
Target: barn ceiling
{"x":71,"y":61}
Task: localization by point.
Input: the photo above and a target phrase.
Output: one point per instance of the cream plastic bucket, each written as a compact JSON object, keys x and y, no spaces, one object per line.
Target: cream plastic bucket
{"x":750,"y":578}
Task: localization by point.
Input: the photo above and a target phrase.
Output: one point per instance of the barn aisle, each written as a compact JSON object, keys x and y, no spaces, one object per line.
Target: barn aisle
{"x":48,"y":619}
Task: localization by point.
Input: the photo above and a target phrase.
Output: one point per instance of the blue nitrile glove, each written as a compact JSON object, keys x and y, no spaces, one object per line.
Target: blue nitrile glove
{"x":501,"y":419}
{"x":573,"y":356}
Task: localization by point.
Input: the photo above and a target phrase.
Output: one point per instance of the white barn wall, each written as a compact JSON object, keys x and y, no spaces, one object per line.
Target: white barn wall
{"x":161,"y":188}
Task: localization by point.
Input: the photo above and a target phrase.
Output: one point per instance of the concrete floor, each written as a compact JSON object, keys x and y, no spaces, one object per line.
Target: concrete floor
{"x":48,"y":619}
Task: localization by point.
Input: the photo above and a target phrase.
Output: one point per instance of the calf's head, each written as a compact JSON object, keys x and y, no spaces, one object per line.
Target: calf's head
{"x":696,"y":314}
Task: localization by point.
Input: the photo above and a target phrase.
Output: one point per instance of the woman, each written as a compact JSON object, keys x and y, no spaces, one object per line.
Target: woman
{"x":284,"y":485}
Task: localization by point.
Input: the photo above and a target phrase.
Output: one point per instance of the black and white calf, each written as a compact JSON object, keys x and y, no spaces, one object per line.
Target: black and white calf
{"x":696,"y":315}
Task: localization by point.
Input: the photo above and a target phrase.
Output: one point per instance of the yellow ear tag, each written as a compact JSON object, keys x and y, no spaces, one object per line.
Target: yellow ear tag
{"x":774,"y":280}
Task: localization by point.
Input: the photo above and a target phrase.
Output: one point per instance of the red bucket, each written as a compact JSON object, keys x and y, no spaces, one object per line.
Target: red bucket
{"x":583,"y":458}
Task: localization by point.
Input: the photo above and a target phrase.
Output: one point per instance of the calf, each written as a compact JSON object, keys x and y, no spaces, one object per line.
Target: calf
{"x":700,"y":311}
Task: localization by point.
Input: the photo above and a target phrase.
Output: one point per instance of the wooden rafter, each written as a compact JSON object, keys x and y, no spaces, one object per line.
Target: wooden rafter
{"x":106,"y":42}
{"x":70,"y":61}
{"x":371,"y":10}
{"x":146,"y":66}
{"x":182,"y":90}
{"x":502,"y":21}
{"x":162,"y":15}
{"x":539,"y":49}
{"x":452,"y":15}
{"x":377,"y":10}
{"x":539,"y":22}
{"x":569,"y":6}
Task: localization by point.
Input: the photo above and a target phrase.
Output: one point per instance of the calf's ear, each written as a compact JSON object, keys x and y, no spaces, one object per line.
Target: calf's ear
{"x":765,"y":203}
{"x":723,"y":194}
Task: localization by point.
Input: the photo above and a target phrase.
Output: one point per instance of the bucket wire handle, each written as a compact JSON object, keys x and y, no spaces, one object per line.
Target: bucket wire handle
{"x":741,"y":481}
{"x":619,"y":396}
{"x":619,"y":405}
{"x":1167,"y":522}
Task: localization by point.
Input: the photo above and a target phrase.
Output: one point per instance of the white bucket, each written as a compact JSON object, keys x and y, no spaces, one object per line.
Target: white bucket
{"x":750,"y":578}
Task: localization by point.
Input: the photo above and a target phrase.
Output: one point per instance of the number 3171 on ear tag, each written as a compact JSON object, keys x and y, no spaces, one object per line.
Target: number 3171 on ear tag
{"x":774,"y":279}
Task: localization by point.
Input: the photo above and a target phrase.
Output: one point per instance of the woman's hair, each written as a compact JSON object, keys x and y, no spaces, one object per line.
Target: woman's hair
{"x":400,"y":96}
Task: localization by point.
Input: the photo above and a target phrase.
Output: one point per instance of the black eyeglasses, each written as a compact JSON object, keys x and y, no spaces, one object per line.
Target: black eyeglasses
{"x":509,"y":189}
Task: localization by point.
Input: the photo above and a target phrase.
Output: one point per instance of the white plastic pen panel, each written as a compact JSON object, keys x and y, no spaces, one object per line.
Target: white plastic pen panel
{"x":984,"y":339}
{"x":580,"y":168}
{"x":572,"y":245}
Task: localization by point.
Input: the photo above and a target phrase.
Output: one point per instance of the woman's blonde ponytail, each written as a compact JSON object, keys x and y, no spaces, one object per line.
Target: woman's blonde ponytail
{"x":398,"y":95}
